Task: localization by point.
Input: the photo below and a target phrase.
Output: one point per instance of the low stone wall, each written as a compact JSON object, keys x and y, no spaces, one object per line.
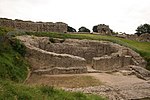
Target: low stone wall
{"x":33,"y":26}
{"x":72,"y":53}
{"x":40,"y":59}
{"x":104,"y":29}
{"x":84,"y":48}
{"x":124,"y":51}
{"x":44,"y":62}
{"x":59,"y":70}
{"x":110,"y":62}
{"x":142,"y":38}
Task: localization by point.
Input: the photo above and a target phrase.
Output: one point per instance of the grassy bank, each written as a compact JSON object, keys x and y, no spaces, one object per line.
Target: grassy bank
{"x":13,"y":71}
{"x":143,"y":48}
{"x":12,"y":91}
{"x":12,"y":64}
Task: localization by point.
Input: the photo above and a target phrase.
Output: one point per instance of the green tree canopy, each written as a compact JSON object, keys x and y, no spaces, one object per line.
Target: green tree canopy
{"x":70,"y":29}
{"x":145,"y":28}
{"x":83,"y":29}
{"x":95,"y":28}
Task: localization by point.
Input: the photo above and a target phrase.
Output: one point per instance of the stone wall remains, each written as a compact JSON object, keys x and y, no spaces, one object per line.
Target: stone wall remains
{"x":43,"y":62}
{"x":40,"y":59}
{"x":83,"y":48}
{"x":33,"y":26}
{"x":104,"y":29}
{"x":111,"y":63}
{"x":59,"y":70}
{"x":142,"y":38}
{"x":73,"y":56}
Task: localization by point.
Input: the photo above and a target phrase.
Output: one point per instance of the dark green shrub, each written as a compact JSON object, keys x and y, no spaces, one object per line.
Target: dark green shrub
{"x":70,"y":29}
{"x":83,"y":29}
{"x":142,"y":29}
{"x":18,"y":46}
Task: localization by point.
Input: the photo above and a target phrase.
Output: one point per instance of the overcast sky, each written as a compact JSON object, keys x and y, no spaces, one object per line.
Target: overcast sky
{"x":120,"y":15}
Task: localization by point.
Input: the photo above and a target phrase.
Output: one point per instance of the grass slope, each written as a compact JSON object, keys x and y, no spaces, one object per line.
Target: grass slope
{"x":141,"y":47}
{"x":12,"y":64}
{"x":12,"y":91}
{"x":13,"y":71}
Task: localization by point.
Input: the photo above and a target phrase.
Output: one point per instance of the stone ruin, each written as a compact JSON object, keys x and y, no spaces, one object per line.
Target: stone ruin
{"x":104,"y":29}
{"x":34,"y":26}
{"x":142,"y":38}
{"x":58,"y":56}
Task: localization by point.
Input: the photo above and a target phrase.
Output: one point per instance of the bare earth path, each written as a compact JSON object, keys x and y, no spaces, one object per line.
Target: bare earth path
{"x":114,"y":86}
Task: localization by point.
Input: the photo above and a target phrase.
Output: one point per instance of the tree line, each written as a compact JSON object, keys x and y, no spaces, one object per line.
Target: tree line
{"x":141,"y":29}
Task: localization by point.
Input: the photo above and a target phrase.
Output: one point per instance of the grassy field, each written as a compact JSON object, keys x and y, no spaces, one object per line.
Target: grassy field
{"x":143,"y":48}
{"x":14,"y":70}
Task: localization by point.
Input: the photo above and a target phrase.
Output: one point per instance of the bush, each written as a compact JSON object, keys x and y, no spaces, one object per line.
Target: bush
{"x":18,"y":46}
{"x":95,"y":28}
{"x":70,"y":29}
{"x":83,"y":29}
{"x":143,"y":29}
{"x":4,"y":30}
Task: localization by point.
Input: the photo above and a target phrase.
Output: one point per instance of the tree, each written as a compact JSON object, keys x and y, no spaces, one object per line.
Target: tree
{"x":70,"y":29}
{"x":83,"y":29}
{"x":143,"y":29}
{"x":95,"y":28}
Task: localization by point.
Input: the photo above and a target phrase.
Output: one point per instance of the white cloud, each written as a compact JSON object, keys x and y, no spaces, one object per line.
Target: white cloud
{"x":120,"y":15}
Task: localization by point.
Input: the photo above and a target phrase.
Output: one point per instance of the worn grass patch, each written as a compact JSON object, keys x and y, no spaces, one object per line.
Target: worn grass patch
{"x":69,"y":81}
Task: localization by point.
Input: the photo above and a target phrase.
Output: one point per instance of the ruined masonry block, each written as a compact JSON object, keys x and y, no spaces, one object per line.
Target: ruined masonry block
{"x":110,"y":63}
{"x":40,"y":59}
{"x":34,"y":26}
